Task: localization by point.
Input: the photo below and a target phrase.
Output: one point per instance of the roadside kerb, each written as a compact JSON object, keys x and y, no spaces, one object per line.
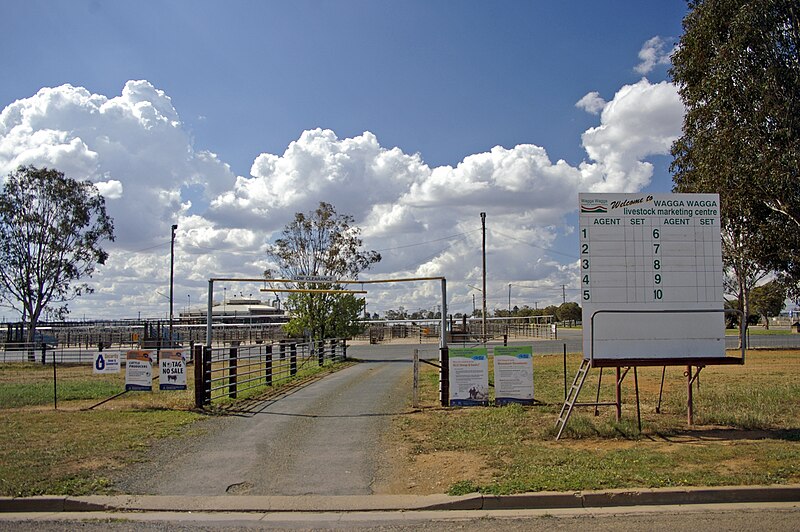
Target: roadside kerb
{"x":644,"y":497}
{"x":370,"y":503}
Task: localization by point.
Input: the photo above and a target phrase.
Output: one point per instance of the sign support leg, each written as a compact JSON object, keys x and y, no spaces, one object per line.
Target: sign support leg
{"x":618,"y":389}
{"x":689,"y":407}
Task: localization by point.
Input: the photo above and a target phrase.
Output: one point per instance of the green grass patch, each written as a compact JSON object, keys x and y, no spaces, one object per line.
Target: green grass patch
{"x":759,"y":331}
{"x":76,"y":451}
{"x":14,"y":395}
{"x":72,"y":452}
{"x":30,"y":384}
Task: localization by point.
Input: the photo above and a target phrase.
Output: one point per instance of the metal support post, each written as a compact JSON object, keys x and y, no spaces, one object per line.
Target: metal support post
{"x":689,"y":402}
{"x":268,"y":365}
{"x":209,"y":312}
{"x":197,"y":358}
{"x":618,"y":394}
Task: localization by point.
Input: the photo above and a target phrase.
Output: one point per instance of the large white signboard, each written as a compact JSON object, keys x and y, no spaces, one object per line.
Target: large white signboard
{"x":657,"y":253}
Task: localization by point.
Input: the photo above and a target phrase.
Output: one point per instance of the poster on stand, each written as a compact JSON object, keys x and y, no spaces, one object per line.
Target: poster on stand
{"x":172,"y":366}
{"x":513,"y":375}
{"x":469,"y":376}
{"x":138,"y":371}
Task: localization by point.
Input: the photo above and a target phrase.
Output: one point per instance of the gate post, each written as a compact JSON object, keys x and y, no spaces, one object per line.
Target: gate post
{"x":320,"y":347}
{"x":334,"y":345}
{"x":199,"y":388}
{"x":232,"y":368}
{"x":444,"y":376}
{"x":268,"y":365}
{"x":293,"y":359}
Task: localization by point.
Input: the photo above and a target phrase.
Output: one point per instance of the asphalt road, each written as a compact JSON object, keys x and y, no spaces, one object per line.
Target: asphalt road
{"x":689,"y":518}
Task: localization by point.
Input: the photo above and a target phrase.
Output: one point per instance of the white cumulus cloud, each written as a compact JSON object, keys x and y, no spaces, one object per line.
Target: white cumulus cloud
{"x":642,"y":120}
{"x":424,"y":220}
{"x":133,"y":146}
{"x":591,"y":103}
{"x":655,"y":51}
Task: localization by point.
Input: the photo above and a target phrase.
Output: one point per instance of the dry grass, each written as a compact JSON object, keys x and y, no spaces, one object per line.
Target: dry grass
{"x":746,"y":431}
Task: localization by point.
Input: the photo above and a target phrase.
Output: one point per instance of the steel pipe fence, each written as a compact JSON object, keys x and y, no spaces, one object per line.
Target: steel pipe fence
{"x":228,"y":372}
{"x":64,"y":354}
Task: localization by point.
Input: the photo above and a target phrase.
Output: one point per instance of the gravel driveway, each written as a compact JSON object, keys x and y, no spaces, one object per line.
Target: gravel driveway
{"x":321,"y":438}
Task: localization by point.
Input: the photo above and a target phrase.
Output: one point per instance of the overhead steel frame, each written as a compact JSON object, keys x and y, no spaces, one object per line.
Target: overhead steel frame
{"x":444,"y":357}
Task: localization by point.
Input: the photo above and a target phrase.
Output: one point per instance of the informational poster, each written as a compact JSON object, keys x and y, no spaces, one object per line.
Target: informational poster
{"x":513,"y":375}
{"x":138,"y":371}
{"x":469,"y":376}
{"x":651,"y":276}
{"x":172,"y":374}
{"x":106,"y":362}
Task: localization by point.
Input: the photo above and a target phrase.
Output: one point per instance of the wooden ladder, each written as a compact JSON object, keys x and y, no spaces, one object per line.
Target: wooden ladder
{"x":572,"y":396}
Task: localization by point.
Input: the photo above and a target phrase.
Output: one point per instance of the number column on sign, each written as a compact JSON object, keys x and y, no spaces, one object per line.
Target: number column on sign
{"x":655,"y":289}
{"x":678,"y":264}
{"x":586,"y":288}
{"x":603,"y":274}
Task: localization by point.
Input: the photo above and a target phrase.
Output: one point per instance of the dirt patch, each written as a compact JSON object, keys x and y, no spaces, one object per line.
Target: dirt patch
{"x":403,"y":473}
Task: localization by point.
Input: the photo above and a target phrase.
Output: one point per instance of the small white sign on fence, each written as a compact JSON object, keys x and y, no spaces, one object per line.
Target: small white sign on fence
{"x":107,"y":362}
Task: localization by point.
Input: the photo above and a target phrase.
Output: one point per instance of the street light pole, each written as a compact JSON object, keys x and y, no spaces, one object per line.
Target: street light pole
{"x":483,"y":292}
{"x":171,"y":279}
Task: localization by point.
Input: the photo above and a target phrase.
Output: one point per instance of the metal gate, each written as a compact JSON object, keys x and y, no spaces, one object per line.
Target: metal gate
{"x":236,"y":370}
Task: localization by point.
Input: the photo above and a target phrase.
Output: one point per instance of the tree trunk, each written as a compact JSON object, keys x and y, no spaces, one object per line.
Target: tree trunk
{"x":746,"y":310}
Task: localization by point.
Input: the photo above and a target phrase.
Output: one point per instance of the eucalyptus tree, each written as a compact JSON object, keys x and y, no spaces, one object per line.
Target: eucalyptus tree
{"x":322,"y":244}
{"x":737,"y":69}
{"x":51,"y":230}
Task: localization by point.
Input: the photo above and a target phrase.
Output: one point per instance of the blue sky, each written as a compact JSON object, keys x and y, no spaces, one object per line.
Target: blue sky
{"x":436,"y":84}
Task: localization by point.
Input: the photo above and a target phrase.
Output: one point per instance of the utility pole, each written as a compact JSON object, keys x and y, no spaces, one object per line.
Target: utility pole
{"x":564,"y":293}
{"x":483,"y":312}
{"x":171,"y":279}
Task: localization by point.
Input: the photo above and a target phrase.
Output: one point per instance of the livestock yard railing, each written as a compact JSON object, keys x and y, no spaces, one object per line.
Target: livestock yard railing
{"x":228,"y":372}
{"x":428,"y":331}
